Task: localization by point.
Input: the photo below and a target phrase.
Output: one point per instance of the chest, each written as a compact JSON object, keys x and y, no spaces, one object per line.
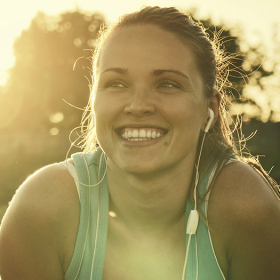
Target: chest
{"x":153,"y":259}
{"x":101,"y":254}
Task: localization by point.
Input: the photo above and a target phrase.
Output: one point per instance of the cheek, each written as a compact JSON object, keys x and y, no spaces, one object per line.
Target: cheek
{"x":106,"y":112}
{"x":187,"y":112}
{"x":105,"y":103}
{"x":101,"y":108}
{"x":100,"y":115}
{"x":189,"y":120}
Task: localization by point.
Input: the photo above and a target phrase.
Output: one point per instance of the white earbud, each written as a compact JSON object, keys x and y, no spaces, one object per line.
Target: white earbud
{"x":211,"y":118}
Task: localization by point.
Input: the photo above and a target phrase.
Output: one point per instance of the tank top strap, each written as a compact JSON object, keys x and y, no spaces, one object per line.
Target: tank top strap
{"x":89,"y":253}
{"x":207,"y":177}
{"x":201,"y":258}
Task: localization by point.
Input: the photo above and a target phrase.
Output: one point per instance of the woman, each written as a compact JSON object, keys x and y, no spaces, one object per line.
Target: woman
{"x":164,"y":147}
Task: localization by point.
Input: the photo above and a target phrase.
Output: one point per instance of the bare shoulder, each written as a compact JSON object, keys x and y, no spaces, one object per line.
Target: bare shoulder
{"x":50,"y":191}
{"x":33,"y":231}
{"x":246,"y":212}
{"x":242,"y":191}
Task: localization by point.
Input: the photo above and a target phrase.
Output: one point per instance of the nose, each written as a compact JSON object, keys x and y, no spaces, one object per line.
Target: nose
{"x":140,"y":103}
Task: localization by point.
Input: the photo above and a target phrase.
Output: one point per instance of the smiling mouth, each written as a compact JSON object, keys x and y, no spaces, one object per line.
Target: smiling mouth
{"x":141,"y":134}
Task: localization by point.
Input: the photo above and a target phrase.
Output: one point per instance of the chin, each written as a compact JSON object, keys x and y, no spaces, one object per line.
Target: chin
{"x":135,"y":167}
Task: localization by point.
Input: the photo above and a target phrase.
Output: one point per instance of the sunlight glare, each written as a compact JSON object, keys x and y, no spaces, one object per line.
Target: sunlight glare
{"x":3,"y":78}
{"x":54,"y":131}
{"x":56,"y":118}
{"x":112,"y":214}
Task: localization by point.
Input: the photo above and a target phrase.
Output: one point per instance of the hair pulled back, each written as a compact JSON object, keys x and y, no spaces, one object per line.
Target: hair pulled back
{"x":211,"y":63}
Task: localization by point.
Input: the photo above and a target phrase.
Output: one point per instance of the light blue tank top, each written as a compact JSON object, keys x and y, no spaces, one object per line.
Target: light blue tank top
{"x":89,"y":253}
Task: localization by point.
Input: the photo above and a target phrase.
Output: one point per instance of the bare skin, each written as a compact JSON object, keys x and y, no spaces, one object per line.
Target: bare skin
{"x":38,"y":232}
{"x":244,"y":214}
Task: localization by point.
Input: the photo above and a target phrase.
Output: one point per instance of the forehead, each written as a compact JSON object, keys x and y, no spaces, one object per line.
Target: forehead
{"x":146,"y":47}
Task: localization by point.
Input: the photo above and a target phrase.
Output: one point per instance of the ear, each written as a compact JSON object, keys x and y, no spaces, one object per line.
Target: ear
{"x":214,"y":104}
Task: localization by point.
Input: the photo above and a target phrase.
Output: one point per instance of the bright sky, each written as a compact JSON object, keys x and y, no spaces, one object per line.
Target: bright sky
{"x":255,"y":16}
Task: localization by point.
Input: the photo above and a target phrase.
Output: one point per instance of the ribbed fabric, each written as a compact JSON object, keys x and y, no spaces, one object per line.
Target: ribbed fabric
{"x":208,"y":267}
{"x":92,"y":233}
{"x":88,"y":259}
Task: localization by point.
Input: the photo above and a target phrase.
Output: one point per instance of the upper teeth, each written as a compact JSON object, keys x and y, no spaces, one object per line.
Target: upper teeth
{"x":140,"y":134}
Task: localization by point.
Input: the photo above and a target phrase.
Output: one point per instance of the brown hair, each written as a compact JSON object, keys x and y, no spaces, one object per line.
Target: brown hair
{"x":212,"y":64}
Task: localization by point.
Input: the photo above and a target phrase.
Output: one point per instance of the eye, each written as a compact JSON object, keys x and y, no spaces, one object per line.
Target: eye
{"x":115,"y":84}
{"x":168,"y":84}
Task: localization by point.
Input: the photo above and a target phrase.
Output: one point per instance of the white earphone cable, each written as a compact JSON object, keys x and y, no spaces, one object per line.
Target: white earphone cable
{"x":192,"y":231}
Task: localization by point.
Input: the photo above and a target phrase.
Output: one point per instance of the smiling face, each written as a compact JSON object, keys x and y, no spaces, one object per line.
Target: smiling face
{"x":149,"y":105}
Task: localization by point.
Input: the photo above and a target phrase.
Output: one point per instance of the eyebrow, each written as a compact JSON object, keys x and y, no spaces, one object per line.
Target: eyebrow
{"x":159,"y":72}
{"x":156,"y":72}
{"x":122,"y":71}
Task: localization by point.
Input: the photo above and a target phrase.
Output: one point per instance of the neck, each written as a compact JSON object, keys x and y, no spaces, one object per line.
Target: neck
{"x":151,"y":203}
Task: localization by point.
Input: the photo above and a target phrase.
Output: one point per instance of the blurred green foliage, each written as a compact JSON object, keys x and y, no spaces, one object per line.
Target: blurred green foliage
{"x":52,"y":70}
{"x":43,"y":75}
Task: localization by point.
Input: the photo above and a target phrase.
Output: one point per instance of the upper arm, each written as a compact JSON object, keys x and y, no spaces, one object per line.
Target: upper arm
{"x":248,"y":213}
{"x":31,"y":235}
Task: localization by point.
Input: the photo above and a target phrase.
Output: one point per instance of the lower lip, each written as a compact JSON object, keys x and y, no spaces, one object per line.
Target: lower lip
{"x":140,"y":143}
